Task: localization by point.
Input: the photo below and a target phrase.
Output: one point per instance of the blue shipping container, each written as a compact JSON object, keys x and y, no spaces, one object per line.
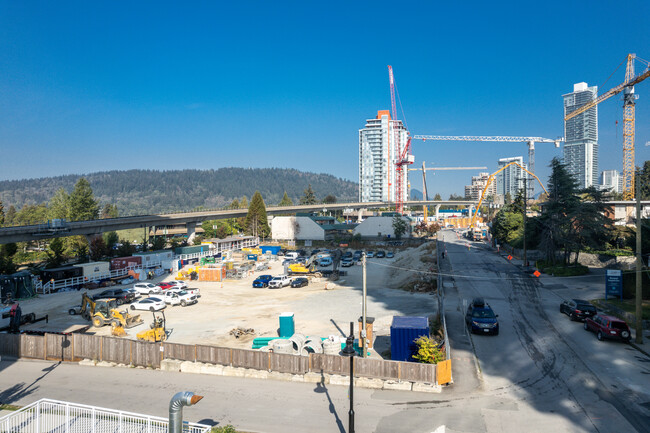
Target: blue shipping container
{"x":273,"y":249}
{"x":403,"y":332}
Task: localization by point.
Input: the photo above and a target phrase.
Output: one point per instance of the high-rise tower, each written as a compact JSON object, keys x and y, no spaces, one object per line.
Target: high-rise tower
{"x":581,"y":135}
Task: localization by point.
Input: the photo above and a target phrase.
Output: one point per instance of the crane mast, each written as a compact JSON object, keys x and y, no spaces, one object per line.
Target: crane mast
{"x":403,"y":156}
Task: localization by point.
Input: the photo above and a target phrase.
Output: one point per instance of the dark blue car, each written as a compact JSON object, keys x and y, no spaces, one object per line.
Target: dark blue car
{"x":481,"y":319}
{"x":262,"y":281}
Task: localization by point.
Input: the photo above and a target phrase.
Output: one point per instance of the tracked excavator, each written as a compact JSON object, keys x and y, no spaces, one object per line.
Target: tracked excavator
{"x":307,"y":268}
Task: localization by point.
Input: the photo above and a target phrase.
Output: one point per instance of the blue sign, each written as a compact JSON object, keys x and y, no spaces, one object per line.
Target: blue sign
{"x":614,"y":283}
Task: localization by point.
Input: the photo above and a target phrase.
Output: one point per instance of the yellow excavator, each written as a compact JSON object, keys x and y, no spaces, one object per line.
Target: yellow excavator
{"x":158,"y":332}
{"x":104,"y":312}
{"x":307,"y":268}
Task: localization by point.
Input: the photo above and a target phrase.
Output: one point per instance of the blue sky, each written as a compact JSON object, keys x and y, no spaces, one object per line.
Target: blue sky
{"x":91,"y":86}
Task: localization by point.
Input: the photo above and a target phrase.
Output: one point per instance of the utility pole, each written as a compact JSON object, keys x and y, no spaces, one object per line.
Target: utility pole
{"x":524,"y":210}
{"x":364,"y":352}
{"x":639,"y":267}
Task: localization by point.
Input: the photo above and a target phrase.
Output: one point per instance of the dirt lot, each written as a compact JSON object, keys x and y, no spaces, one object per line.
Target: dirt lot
{"x":318,"y":311}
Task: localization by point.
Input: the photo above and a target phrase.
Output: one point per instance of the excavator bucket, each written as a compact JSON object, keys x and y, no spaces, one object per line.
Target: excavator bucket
{"x":118,"y":331}
{"x":132,"y":321}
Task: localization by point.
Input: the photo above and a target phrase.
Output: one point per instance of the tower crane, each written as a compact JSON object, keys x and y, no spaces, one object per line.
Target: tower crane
{"x":629,"y":99}
{"x":404,"y":156}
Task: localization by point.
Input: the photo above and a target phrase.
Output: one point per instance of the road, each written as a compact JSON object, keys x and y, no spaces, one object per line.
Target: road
{"x":541,"y":373}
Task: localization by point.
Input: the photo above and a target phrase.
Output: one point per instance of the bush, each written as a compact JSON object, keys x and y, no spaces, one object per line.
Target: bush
{"x":560,"y":270}
{"x":428,"y":351}
{"x":225,"y":429}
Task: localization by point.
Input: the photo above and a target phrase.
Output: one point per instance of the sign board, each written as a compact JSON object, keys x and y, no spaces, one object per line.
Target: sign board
{"x":614,"y":283}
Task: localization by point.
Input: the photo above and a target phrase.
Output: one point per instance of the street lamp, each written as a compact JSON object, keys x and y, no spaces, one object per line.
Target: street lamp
{"x":349,"y":351}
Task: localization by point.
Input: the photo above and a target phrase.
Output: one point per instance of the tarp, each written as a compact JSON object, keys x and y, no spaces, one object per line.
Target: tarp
{"x":16,"y":286}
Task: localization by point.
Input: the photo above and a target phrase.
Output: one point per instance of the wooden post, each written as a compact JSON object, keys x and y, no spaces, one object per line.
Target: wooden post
{"x":101,"y":348}
{"x":45,"y":347}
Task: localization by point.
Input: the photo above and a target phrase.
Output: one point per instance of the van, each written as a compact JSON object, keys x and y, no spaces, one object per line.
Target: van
{"x":325,"y":261}
{"x":291,"y":255}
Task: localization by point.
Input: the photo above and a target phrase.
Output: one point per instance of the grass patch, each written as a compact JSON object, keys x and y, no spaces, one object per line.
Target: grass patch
{"x":9,"y":407}
{"x":561,"y":270}
{"x":224,"y":429}
{"x":629,"y":306}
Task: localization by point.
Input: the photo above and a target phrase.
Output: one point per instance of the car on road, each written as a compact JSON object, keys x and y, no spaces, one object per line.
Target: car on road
{"x":480,"y":318}
{"x":390,"y":255}
{"x":300,"y":282}
{"x":347,"y":262}
{"x":180,"y":297}
{"x":262,"y":281}
{"x":380,"y":254}
{"x":608,"y":327}
{"x":325,"y":261}
{"x":577,"y":309}
{"x":152,"y":303}
{"x":279,"y":282}
{"x":146,"y":288}
{"x":121,"y":296}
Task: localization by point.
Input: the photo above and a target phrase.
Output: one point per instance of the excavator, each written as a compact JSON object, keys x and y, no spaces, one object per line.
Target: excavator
{"x":104,"y":311}
{"x":307,"y":268}
{"x":158,"y":332}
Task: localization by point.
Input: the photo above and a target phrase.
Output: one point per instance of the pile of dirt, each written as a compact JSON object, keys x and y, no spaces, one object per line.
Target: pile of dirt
{"x":415,"y":270}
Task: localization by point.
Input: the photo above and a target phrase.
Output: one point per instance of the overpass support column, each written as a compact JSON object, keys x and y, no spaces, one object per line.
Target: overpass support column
{"x":360,"y":215}
{"x":191,"y":232}
{"x":437,"y":212}
{"x":471,"y":212}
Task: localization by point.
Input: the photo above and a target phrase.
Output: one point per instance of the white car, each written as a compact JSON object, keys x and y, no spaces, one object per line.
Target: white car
{"x":132,"y":290}
{"x":152,"y":304}
{"x":191,"y":291}
{"x":180,"y":297}
{"x":146,"y":288}
{"x":279,"y":281}
{"x":179,"y":284}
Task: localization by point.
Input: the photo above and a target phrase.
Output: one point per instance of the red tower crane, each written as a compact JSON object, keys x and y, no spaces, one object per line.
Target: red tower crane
{"x":404,"y":156}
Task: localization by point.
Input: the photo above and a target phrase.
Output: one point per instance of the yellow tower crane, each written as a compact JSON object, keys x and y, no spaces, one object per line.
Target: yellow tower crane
{"x":629,"y":99}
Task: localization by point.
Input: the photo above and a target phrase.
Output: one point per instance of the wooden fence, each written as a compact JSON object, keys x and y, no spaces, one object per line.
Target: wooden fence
{"x":76,"y":347}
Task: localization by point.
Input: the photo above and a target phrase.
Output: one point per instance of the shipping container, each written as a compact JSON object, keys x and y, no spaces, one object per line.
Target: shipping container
{"x":212,"y":273}
{"x":273,"y":249}
{"x":62,"y":273}
{"x":192,"y":250}
{"x":95,"y":270}
{"x":125,"y":262}
{"x":155,"y":258}
{"x":403,"y":332}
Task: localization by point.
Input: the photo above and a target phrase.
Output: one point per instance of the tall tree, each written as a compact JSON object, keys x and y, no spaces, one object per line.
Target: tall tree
{"x":59,"y":204}
{"x":83,"y":205}
{"x":98,"y":249}
{"x":55,"y":253}
{"x":286,"y":201}
{"x":2,"y":213}
{"x":437,"y":197}
{"x":109,"y":211}
{"x":400,"y":226}
{"x":243,"y":203}
{"x":329,"y":199}
{"x":256,"y":219}
{"x":110,"y":239}
{"x":590,"y":227}
{"x":643,"y":180}
{"x":10,"y":215}
{"x":309,"y":197}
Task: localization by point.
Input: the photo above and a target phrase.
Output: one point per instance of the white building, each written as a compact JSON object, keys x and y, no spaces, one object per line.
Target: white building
{"x":379,"y":142}
{"x":475,"y":190}
{"x":380,"y":227}
{"x":511,"y":180}
{"x":581,"y":135}
{"x":296,"y":228}
{"x":611,"y":180}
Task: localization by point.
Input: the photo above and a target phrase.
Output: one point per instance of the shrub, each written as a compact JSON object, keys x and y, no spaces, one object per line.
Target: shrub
{"x":225,"y":429}
{"x":428,"y":351}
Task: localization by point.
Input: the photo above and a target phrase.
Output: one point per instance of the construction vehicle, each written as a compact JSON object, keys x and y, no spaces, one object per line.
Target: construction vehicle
{"x":157,"y":331}
{"x":307,"y":268}
{"x":104,"y":311}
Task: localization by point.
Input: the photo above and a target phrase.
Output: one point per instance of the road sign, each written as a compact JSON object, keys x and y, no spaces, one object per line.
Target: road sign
{"x":614,"y":283}
{"x":537,"y":273}
{"x":509,"y":257}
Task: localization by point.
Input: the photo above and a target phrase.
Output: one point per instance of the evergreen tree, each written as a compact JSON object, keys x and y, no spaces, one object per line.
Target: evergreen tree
{"x":243,"y":203}
{"x":110,"y":239}
{"x":400,"y":226}
{"x":286,"y":201}
{"x":2,"y":213}
{"x":642,"y":182}
{"x":10,"y":215}
{"x":437,"y":197}
{"x":234,"y":204}
{"x":126,"y":249}
{"x":83,"y":205}
{"x":59,"y":204}
{"x":256,"y":219}
{"x":158,"y":243}
{"x":109,"y":211}
{"x":309,"y":197}
{"x":329,"y":199}
{"x":589,"y":225}
{"x":98,"y":249}
{"x":55,"y":253}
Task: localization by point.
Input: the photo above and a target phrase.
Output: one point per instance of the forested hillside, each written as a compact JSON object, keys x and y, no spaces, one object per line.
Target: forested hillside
{"x":151,"y":191}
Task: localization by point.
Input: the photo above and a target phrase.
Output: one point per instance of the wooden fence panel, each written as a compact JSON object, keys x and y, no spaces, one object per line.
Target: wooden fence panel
{"x":145,"y":353}
{"x":58,"y":347}
{"x":250,"y":359}
{"x":185,"y":352}
{"x":286,"y":363}
{"x":32,"y":346}
{"x":418,"y":372}
{"x":213,"y":355}
{"x":376,"y":368}
{"x":116,"y":350}
{"x":10,"y":345}
{"x":331,"y":364}
{"x":87,"y":346}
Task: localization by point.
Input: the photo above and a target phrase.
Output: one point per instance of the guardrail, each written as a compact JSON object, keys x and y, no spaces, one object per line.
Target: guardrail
{"x":47,"y":415}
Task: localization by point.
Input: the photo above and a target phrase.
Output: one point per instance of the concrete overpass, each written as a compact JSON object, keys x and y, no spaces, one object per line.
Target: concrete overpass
{"x":190,"y":219}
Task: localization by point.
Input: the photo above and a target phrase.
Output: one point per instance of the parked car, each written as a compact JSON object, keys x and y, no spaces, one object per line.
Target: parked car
{"x":314,"y":252}
{"x":300,"y":282}
{"x":180,"y":297}
{"x":74,"y":310}
{"x":146,"y":288}
{"x":370,"y":254}
{"x":347,"y":262}
{"x":357,"y":255}
{"x":121,"y":296}
{"x":381,"y":254}
{"x":390,"y":255}
{"x":262,"y":281}
{"x":480,"y":318}
{"x":192,"y":291}
{"x":179,"y":284}
{"x":151,"y":304}
{"x":279,"y":281}
{"x":281,"y":252}
{"x":347,"y":254}
{"x":325,"y":261}
{"x":165,"y":286}
{"x":577,"y":309}
{"x":609,"y":327}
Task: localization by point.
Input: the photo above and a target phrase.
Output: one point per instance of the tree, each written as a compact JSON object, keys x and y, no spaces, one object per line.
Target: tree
{"x":110,"y":239}
{"x":286,"y":201}
{"x":256,"y":222}
{"x":82,"y":203}
{"x":10,"y":215}
{"x":109,"y":211}
{"x":59,"y":204}
{"x":437,"y":197}
{"x":309,"y":197}
{"x":329,"y":199}
{"x":456,"y":197}
{"x":78,"y":246}
{"x":158,"y":243}
{"x":98,"y":249}
{"x":643,"y":180}
{"x":400,"y":226}
{"x":507,"y":199}
{"x":2,"y":213}
{"x":589,"y":226}
{"x":243,"y":203}
{"x":126,"y":249}
{"x":234,"y":204}
{"x":55,"y":253}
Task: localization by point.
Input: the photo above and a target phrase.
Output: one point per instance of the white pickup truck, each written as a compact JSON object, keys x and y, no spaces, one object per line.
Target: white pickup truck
{"x":279,"y":281}
{"x":179,"y":297}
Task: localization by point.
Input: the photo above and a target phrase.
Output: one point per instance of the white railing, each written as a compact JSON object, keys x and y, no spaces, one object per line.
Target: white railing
{"x":52,"y":416}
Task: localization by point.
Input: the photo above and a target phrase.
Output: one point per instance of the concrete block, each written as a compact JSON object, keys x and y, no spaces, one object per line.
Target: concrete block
{"x":122,"y":365}
{"x":280,"y":376}
{"x":337,"y":379}
{"x":256,"y":374}
{"x":426,"y":387}
{"x":316,"y":378}
{"x":89,"y":362}
{"x":213,"y":369}
{"x":398,"y":386}
{"x":366,"y":382}
{"x":297,"y":378}
{"x":170,"y":365}
{"x":105,"y":364}
{"x":234,"y":371}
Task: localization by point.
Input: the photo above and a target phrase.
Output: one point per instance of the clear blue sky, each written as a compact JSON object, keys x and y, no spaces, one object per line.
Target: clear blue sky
{"x":91,"y":86}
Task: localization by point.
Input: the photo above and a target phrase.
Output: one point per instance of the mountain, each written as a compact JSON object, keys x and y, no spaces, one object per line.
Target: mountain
{"x":416,"y":194}
{"x":137,"y":192}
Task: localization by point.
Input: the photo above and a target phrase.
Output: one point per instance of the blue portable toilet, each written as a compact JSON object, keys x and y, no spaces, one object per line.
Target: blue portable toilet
{"x":287,"y":325}
{"x":403,"y":332}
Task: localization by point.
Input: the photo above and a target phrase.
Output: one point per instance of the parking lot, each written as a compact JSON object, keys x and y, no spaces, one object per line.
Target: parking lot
{"x":321,"y":309}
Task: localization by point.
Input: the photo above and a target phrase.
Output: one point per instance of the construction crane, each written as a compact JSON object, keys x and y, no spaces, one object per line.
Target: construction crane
{"x":424,"y":180}
{"x":404,"y":156}
{"x":629,"y":99}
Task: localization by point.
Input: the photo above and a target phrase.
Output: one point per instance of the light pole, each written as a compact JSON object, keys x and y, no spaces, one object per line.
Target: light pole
{"x":349,"y":351}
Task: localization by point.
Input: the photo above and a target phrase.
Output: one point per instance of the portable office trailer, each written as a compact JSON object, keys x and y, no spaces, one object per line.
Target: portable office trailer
{"x":94,"y":270}
{"x":125,"y":262}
